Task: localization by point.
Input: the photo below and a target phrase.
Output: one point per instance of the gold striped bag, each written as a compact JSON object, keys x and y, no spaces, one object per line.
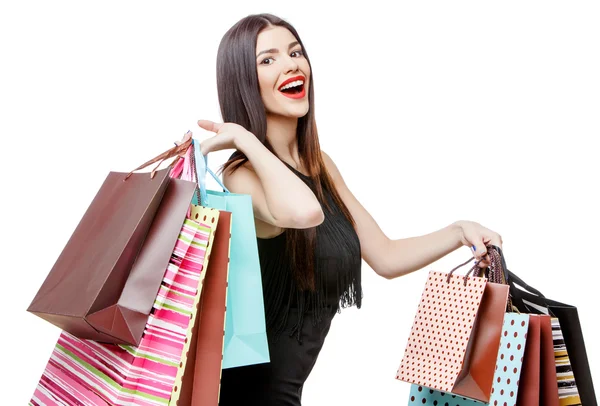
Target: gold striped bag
{"x":567,"y":389}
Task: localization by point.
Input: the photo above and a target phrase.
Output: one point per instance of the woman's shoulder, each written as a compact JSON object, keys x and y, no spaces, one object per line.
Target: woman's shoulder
{"x":331,"y":167}
{"x":236,"y":164}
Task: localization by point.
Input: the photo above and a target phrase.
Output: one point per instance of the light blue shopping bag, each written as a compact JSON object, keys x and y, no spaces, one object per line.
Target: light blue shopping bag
{"x":245,"y":330}
{"x":506,"y":377}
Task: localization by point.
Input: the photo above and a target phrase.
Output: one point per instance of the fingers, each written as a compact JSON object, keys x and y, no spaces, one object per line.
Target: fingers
{"x":482,"y":259}
{"x":479,"y":250}
{"x":185,"y":138}
{"x":209,"y":125}
{"x":485,"y":262}
{"x":495,"y":239}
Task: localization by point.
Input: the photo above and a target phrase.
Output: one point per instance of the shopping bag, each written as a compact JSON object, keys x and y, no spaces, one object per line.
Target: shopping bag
{"x":202,"y":378}
{"x":530,"y":300}
{"x":539,"y":378}
{"x":455,"y":337}
{"x":548,"y":381}
{"x":529,"y":387}
{"x":245,"y":328}
{"x":104,"y":282}
{"x":202,"y":385}
{"x":547,"y":362}
{"x":568,"y":394}
{"x":512,"y":346}
{"x":86,"y":372}
{"x":507,"y":370}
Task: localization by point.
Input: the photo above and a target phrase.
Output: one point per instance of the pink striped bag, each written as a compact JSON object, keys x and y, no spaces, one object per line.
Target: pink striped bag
{"x":85,"y":372}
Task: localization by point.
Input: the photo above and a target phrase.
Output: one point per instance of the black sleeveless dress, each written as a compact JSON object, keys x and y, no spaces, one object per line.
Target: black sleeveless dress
{"x":298,"y":321}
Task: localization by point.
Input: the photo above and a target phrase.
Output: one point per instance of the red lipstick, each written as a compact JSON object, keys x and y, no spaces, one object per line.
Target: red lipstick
{"x":285,"y":82}
{"x":299,"y":95}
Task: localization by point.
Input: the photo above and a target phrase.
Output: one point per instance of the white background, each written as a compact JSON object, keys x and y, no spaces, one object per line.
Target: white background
{"x":433,"y":111}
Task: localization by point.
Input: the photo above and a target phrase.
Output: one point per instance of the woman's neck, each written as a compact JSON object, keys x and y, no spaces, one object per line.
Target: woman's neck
{"x":281,"y":134}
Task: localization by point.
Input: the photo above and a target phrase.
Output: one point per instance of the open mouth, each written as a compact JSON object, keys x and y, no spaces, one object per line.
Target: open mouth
{"x":293,"y":90}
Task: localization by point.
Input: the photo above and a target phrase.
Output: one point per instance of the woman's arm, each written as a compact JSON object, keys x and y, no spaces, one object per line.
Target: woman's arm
{"x":394,"y":258}
{"x":279,"y":197}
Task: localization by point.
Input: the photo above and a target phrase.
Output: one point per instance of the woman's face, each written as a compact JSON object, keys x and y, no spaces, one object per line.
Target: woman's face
{"x":283,"y":60}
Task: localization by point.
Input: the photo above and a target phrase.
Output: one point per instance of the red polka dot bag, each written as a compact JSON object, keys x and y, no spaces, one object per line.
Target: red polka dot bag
{"x":456,"y":339}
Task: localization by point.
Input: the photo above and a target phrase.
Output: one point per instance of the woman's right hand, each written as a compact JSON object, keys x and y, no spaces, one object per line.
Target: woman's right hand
{"x":228,"y":136}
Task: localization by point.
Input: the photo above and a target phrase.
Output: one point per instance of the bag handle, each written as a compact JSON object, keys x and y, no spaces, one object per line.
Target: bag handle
{"x":473,"y":268}
{"x":518,"y":281}
{"x":175,"y":152}
{"x":200,"y":166}
{"x":499,"y":264}
{"x":499,"y":273}
{"x":511,"y":278}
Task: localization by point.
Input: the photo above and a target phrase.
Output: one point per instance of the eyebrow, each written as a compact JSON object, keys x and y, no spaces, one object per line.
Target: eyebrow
{"x":275,"y":50}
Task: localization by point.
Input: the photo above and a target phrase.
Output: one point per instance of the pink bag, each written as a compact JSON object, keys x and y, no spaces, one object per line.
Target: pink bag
{"x":85,"y":372}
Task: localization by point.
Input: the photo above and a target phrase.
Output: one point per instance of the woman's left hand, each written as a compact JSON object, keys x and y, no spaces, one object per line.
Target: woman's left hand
{"x":476,"y":237}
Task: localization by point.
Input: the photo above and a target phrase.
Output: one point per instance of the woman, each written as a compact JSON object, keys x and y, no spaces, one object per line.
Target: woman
{"x":312,"y":232}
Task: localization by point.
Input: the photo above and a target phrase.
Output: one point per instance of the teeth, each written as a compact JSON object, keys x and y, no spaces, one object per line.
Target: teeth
{"x":293,"y":84}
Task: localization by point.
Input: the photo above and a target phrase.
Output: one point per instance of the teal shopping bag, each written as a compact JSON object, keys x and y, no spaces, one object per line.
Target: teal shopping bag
{"x":245,"y":329}
{"x":506,"y":377}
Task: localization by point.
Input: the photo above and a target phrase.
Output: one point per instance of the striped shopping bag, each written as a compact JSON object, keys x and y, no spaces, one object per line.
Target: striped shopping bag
{"x":568,"y":394}
{"x":86,"y":372}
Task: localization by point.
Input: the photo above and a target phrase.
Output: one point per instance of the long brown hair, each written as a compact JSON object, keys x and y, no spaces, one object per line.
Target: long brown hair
{"x":241,"y":103}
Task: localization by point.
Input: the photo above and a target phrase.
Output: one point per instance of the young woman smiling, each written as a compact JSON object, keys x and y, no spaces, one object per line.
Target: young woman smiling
{"x":312,"y":232}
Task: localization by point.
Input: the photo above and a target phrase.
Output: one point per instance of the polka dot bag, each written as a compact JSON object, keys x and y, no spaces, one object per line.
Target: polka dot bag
{"x":455,"y":338}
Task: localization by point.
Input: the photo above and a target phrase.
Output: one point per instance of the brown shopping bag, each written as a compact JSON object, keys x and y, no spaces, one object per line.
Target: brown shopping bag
{"x":548,"y":381}
{"x":455,"y":338}
{"x":103,"y":284}
{"x":202,"y":376}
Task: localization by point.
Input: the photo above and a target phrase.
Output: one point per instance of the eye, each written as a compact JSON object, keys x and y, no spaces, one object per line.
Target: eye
{"x":294,"y":52}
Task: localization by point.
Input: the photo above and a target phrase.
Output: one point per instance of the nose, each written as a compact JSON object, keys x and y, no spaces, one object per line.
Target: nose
{"x":290,"y":65}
